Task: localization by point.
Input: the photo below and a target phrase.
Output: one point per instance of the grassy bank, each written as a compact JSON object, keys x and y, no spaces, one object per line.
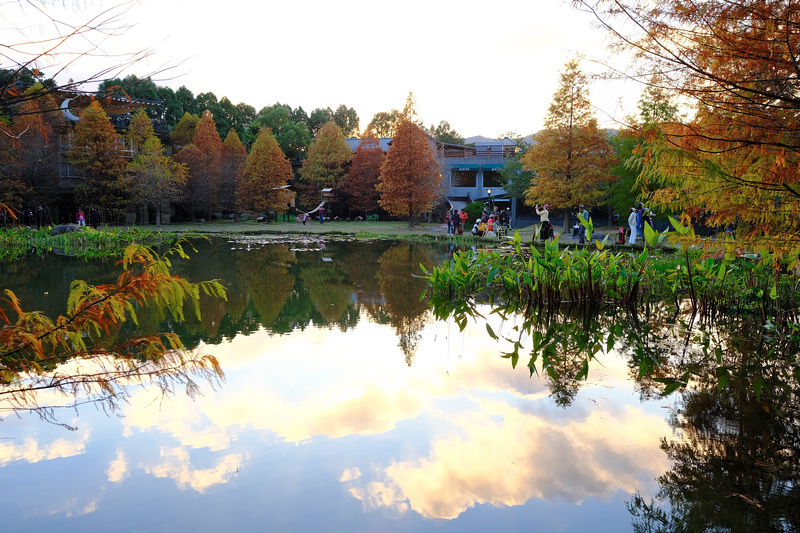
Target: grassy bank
{"x":17,"y":242}
{"x":389,"y":229}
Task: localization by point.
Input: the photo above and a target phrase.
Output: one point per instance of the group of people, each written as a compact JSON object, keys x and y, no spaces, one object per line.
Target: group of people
{"x":94,"y":218}
{"x":497,"y":221}
{"x":455,"y":221}
{"x":636,"y":221}
{"x":639,"y":215}
{"x":28,"y":217}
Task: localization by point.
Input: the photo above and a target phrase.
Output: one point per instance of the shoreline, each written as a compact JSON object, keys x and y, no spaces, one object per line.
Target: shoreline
{"x":390,"y":229}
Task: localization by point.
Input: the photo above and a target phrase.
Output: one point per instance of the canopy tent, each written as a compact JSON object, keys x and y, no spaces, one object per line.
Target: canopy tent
{"x":457,"y":203}
{"x":315,"y":210}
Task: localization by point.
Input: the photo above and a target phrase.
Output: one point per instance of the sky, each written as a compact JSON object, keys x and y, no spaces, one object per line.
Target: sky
{"x":485,"y":67}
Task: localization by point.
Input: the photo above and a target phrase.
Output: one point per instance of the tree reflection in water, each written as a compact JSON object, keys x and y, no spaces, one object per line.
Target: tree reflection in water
{"x":737,"y":459}
{"x":290,"y":286}
{"x":405,"y":308}
{"x":736,"y":447}
{"x":278,"y":286}
{"x":99,"y":347}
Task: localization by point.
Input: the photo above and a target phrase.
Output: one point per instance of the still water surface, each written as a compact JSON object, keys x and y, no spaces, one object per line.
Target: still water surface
{"x":345,"y":407}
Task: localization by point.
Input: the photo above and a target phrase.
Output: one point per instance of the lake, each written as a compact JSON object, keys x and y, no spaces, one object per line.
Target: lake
{"x":346,"y":407}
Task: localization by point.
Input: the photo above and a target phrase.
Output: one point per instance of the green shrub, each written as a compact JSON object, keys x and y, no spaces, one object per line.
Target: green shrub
{"x":474,"y":211}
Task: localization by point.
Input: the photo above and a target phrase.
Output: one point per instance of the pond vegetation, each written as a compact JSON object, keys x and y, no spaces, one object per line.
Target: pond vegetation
{"x":552,"y":286}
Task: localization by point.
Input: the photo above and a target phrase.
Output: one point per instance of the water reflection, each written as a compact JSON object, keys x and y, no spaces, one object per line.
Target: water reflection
{"x":320,"y":404}
{"x":287,"y":286}
{"x":736,"y":466}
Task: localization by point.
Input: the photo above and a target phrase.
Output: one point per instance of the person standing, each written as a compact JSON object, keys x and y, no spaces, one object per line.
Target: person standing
{"x":545,"y":228}
{"x":633,"y":223}
{"x":94,"y":218}
{"x":583,"y":214}
{"x":27,"y":217}
{"x":321,"y":214}
{"x":80,"y":218}
{"x":503,"y":218}
{"x":641,"y":214}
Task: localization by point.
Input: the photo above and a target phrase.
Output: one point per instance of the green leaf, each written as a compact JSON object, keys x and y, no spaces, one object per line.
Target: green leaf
{"x":721,"y":272}
{"x":584,"y":372}
{"x":722,"y":377}
{"x":491,"y":332}
{"x":649,"y":234}
{"x":758,"y":385}
{"x":680,"y":229}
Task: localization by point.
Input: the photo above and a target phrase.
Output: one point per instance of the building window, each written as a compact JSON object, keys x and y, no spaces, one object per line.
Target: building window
{"x":492,"y":178}
{"x":463,"y":178}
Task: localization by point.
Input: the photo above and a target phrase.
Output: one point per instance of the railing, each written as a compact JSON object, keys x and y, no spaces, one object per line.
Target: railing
{"x":479,"y":152}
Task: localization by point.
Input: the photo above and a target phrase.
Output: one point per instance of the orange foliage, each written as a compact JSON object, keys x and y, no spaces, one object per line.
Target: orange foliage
{"x":267,"y":171}
{"x":33,"y":346}
{"x":362,"y":178}
{"x":410,"y":176}
{"x":204,"y":159}
{"x":737,"y":158}
{"x":571,"y":158}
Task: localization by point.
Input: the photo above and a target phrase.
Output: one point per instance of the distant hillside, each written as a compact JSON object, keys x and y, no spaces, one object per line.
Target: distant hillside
{"x":528,"y":139}
{"x":477,"y":138}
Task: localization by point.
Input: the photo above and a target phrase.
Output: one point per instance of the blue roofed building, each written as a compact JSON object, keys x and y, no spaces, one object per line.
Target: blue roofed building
{"x":470,"y":173}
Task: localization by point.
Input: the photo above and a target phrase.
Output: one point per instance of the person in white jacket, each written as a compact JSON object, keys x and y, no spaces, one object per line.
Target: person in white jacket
{"x":545,"y":228}
{"x":632,"y":222}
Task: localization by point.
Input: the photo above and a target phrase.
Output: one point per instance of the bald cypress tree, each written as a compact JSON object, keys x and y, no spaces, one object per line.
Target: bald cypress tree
{"x":410,"y":176}
{"x":570,"y":158}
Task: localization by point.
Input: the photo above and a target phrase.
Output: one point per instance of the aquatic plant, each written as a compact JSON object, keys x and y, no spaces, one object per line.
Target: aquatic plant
{"x":87,"y":242}
{"x":543,"y":284}
{"x":80,"y":354}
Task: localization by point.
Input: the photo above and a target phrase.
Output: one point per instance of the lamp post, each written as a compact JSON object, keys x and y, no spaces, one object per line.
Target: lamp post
{"x":491,"y":203}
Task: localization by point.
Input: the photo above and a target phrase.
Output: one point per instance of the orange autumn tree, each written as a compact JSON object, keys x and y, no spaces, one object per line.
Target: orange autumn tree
{"x":203,"y":157}
{"x":735,"y":159}
{"x":29,"y":153}
{"x":234,"y":156}
{"x":362,"y":178}
{"x":267,"y":171}
{"x":571,"y":157}
{"x":97,"y":151}
{"x":410,"y":175}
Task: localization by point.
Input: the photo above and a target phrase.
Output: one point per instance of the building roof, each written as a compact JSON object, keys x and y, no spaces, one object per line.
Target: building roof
{"x":385,"y":142}
{"x":505,"y":141}
{"x":112,"y":104}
